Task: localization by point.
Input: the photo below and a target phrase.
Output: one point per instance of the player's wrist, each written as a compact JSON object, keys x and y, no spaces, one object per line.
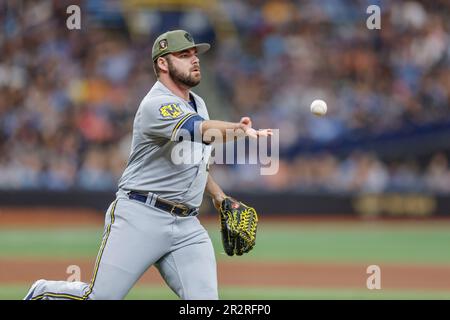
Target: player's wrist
{"x":219,"y":197}
{"x":217,"y":200}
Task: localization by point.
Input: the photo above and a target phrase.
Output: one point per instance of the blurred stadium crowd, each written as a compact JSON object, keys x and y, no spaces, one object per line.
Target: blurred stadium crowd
{"x":68,"y":98}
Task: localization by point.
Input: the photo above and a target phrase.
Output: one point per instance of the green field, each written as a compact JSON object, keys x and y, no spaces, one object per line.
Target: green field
{"x":319,"y":242}
{"x":418,"y":243}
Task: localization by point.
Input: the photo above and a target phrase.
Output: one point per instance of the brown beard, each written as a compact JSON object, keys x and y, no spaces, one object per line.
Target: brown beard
{"x":185,"y":79}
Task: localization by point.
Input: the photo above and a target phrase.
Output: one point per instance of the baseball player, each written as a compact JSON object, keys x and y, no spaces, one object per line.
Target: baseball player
{"x":153,"y":218}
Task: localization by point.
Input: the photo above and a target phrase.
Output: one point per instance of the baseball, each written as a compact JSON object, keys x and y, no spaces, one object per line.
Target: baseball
{"x":319,"y":107}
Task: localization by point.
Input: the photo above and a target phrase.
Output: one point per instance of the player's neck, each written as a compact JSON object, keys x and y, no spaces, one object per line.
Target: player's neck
{"x":177,"y":89}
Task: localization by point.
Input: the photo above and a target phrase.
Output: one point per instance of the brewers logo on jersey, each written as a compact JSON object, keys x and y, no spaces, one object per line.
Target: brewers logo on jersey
{"x":171,"y":111}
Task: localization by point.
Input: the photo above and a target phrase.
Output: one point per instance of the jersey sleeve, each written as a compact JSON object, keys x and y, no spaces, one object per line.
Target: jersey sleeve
{"x":171,"y":120}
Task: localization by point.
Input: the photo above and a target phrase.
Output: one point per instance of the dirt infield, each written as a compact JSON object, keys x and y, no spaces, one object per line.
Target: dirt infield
{"x":49,"y":217}
{"x":265,"y":274}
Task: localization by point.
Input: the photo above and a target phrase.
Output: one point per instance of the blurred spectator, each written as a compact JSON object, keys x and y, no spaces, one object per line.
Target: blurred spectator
{"x":94,"y":173}
{"x":437,"y":175}
{"x":67,"y":99}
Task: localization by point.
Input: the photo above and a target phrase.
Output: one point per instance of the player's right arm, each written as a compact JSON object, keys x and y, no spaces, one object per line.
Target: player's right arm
{"x":211,"y":129}
{"x":167,"y":117}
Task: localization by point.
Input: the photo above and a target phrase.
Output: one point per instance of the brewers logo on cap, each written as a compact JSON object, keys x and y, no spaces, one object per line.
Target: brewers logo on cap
{"x":163,"y":44}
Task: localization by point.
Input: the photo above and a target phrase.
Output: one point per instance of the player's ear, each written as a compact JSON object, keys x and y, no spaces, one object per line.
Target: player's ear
{"x":162,"y":63}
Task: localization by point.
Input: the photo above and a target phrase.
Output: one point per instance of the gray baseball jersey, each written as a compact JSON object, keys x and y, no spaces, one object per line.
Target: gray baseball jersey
{"x":158,"y":125}
{"x":137,"y":234}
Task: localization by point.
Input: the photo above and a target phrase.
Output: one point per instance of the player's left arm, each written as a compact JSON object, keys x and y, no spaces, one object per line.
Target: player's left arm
{"x":215,"y":192}
{"x":238,"y":221}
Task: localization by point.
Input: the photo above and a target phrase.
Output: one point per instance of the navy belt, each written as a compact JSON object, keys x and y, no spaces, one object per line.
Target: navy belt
{"x":166,"y":205}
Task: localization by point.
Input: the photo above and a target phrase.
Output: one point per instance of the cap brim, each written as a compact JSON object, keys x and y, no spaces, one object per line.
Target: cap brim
{"x":202,"y":47}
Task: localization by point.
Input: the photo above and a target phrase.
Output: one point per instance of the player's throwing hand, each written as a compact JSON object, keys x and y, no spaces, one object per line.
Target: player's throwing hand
{"x":246,"y":125}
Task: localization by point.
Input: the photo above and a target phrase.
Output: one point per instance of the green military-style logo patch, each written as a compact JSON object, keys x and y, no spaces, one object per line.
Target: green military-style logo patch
{"x":171,"y":111}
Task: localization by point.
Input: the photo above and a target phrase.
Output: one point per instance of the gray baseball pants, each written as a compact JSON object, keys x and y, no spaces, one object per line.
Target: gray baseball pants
{"x":137,"y":236}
